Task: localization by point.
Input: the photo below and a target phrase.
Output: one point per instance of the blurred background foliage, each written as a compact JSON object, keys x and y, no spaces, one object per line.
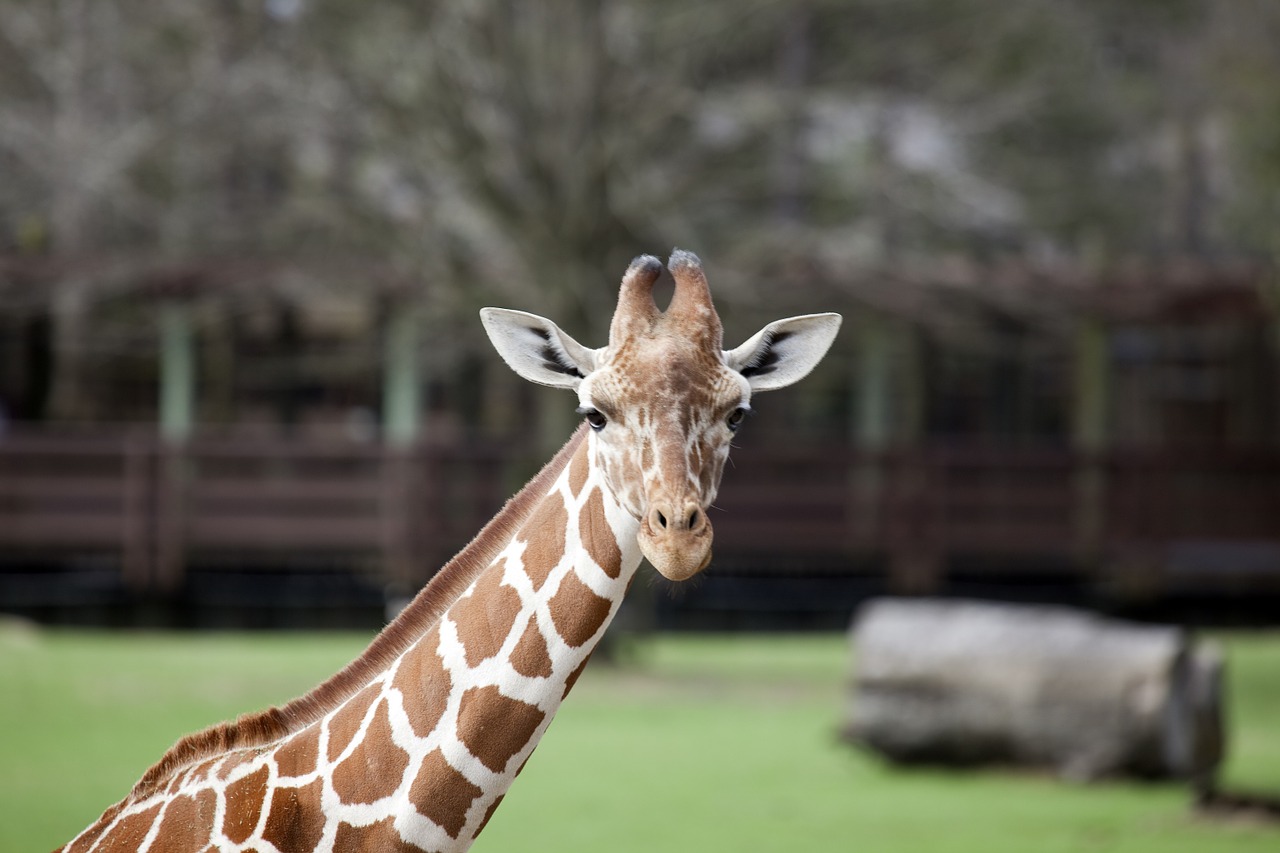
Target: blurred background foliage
{"x":482,"y":151}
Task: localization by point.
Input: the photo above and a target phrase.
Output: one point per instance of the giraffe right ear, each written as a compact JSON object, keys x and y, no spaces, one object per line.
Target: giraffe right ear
{"x":784,"y":351}
{"x":537,"y":348}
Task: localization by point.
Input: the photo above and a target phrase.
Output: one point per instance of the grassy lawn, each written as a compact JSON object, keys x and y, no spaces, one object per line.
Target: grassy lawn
{"x":694,"y":743}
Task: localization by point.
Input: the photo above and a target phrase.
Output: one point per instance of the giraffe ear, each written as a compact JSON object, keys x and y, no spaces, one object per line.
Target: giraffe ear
{"x":536,"y":348}
{"x":784,"y":351}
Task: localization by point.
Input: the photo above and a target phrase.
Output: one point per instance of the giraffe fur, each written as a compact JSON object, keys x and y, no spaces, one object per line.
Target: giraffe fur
{"x":414,"y":744}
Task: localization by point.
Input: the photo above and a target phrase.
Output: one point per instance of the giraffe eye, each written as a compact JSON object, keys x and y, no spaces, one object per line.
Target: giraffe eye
{"x":594,"y":418}
{"x":735,"y":418}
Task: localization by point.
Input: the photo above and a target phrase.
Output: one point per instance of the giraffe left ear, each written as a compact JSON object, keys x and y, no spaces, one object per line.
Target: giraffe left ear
{"x":537,"y":348}
{"x":784,"y":351}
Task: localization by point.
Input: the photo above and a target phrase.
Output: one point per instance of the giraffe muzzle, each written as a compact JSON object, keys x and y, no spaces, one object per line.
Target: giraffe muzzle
{"x":676,"y":538}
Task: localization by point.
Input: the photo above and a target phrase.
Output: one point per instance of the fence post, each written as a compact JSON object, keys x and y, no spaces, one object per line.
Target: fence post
{"x":871,"y":428}
{"x":138,"y":499}
{"x":1090,"y":415}
{"x":177,"y":419}
{"x":402,"y":379}
{"x":177,"y":370}
{"x":172,"y":471}
{"x":916,"y":543}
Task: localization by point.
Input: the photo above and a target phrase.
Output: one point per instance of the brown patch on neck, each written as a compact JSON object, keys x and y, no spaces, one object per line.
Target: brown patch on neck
{"x":580,"y":468}
{"x":424,"y":683}
{"x":493,"y":807}
{"x":298,"y":755}
{"x":245,"y":798}
{"x":381,"y":836}
{"x":187,"y":826}
{"x":485,"y":618}
{"x":375,"y":767}
{"x":577,"y":611}
{"x":129,"y":833}
{"x":346,"y":724}
{"x":90,"y":836}
{"x":575,"y":675}
{"x":598,"y":537}
{"x":265,"y":727}
{"x":530,"y":657}
{"x":442,"y":794}
{"x":495,"y":727}
{"x":293,"y":821}
{"x":544,"y":533}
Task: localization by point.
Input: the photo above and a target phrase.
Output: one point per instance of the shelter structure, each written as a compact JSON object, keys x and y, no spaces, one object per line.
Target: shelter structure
{"x":1048,"y":431}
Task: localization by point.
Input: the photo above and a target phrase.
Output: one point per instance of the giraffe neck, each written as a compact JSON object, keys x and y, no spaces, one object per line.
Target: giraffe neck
{"x":420,"y":752}
{"x":483,"y":685}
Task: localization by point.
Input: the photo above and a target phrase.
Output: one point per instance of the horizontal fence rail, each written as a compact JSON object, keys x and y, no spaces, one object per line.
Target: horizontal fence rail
{"x":155,"y":510}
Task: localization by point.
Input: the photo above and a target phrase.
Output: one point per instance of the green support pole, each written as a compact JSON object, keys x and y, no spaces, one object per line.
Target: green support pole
{"x":402,"y":381}
{"x":1092,"y":387}
{"x":177,"y":417}
{"x":177,"y":371}
{"x":1090,"y":416}
{"x":873,"y":429}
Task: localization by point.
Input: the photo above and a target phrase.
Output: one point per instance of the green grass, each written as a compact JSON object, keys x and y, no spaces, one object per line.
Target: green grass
{"x":694,"y":743}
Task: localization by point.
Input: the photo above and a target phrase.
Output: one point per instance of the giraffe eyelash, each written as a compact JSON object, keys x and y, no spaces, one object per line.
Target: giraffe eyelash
{"x":595,"y":418}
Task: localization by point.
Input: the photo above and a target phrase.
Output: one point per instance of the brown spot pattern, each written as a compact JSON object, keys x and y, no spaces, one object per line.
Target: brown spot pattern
{"x":495,"y":727}
{"x":205,"y":769}
{"x":380,"y":836}
{"x":485,"y":617}
{"x":127,"y":835}
{"x":346,"y":723}
{"x":598,"y":536}
{"x":579,"y":469}
{"x":425,"y":684}
{"x":298,"y":755}
{"x":187,"y":825}
{"x":228,"y":767}
{"x":544,"y":534}
{"x":576,"y":611}
{"x":573,"y":676}
{"x":92,"y":834}
{"x":442,"y":794}
{"x":293,"y":823}
{"x":530,"y":656}
{"x":376,"y":766}
{"x":245,"y":798}
{"x":493,"y":807}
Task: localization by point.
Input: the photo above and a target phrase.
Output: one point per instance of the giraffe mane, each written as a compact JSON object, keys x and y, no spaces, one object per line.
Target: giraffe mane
{"x":419,"y":616}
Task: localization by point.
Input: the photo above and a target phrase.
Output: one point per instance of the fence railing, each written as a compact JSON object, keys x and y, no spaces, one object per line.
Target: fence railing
{"x":155,"y":510}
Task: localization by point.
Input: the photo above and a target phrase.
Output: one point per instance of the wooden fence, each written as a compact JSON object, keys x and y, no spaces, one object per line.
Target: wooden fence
{"x":1137,"y":520}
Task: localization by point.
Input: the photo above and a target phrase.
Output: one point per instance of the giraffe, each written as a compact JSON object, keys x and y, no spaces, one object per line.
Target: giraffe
{"x":413,"y":745}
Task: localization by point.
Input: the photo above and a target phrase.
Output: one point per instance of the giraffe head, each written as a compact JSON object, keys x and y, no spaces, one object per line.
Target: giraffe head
{"x":663,"y":398}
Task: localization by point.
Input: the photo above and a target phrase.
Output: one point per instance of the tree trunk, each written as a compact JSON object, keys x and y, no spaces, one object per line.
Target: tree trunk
{"x":973,"y":683}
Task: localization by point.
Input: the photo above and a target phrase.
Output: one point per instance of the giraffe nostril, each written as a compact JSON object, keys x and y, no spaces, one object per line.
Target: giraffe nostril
{"x":689,"y":518}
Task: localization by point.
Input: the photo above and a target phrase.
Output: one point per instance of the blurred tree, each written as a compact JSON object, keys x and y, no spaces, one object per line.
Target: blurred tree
{"x":452,"y":154}
{"x":76,"y":118}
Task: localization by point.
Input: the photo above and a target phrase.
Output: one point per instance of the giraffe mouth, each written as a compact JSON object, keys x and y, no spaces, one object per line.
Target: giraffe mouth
{"x":677,"y":554}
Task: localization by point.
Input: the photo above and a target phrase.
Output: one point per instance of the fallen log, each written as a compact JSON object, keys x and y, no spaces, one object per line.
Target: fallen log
{"x":963,"y":682}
